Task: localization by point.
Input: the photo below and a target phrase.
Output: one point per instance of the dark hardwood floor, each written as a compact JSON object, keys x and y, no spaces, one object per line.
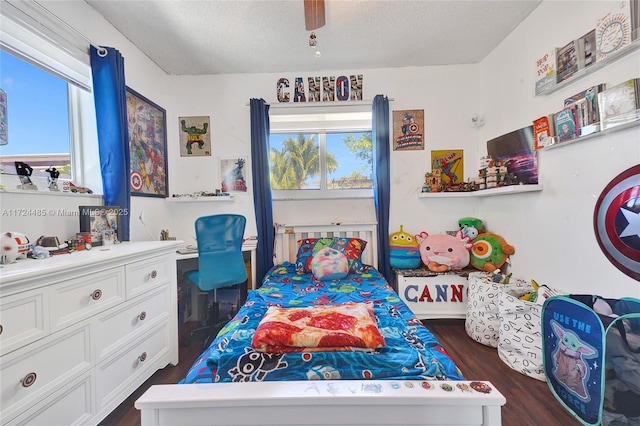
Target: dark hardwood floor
{"x":529,"y":401}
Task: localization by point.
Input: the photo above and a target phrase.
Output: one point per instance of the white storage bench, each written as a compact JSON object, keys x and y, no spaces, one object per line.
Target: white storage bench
{"x":432,"y":295}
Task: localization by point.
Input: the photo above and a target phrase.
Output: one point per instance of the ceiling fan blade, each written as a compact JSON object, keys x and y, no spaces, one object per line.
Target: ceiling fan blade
{"x":313,"y":14}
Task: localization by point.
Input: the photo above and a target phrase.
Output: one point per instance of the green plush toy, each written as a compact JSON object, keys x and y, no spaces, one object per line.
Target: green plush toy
{"x":471,"y":227}
{"x":489,"y":252}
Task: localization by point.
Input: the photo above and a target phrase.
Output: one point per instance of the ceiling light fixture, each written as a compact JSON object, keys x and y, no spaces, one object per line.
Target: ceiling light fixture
{"x":313,"y":43}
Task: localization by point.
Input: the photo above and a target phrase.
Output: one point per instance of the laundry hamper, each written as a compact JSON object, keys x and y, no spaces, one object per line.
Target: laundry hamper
{"x":482,"y":323}
{"x":520,"y":334}
{"x":591,"y":357}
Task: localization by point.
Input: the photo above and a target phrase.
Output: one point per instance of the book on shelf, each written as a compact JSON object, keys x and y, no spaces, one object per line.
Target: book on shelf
{"x":566,"y":123}
{"x":545,"y":72}
{"x":619,"y":104}
{"x":586,"y":46}
{"x":543,"y":131}
{"x":586,"y":103}
{"x":613,"y":29}
{"x":567,"y":61}
{"x":635,"y":19}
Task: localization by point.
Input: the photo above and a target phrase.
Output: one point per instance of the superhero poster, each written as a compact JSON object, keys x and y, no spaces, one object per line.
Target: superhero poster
{"x":408,"y":130}
{"x":147,"y":126}
{"x":450,"y":162}
{"x":195,"y":136}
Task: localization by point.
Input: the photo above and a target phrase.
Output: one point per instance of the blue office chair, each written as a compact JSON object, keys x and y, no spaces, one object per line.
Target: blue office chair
{"x":220,"y":264}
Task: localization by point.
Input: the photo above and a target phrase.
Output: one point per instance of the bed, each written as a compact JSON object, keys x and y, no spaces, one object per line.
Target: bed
{"x":388,"y":370}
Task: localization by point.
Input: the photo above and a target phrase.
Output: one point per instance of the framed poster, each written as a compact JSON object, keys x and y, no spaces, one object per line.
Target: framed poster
{"x":232,"y":175}
{"x":408,"y":130}
{"x":195,"y":138}
{"x":101,"y":222}
{"x":450,"y":162}
{"x":147,"y":125}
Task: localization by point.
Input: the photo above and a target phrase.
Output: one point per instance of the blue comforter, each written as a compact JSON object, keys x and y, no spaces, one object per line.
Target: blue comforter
{"x":410,"y":352}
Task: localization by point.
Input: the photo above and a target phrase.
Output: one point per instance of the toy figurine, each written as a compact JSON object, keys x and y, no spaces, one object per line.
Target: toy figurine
{"x":53,"y":178}
{"x":24,"y":171}
{"x":433,"y":181}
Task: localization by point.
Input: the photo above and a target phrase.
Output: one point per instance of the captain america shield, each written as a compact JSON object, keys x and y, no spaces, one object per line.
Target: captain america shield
{"x":616,"y":221}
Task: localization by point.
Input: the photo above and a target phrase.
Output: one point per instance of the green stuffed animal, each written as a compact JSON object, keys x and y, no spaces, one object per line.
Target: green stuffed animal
{"x":489,"y":252}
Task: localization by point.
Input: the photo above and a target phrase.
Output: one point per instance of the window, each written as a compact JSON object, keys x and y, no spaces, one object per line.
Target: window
{"x":36,"y":110}
{"x":47,"y":103}
{"x":321,"y":155}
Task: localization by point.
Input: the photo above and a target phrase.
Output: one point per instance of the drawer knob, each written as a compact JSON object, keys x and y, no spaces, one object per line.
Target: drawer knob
{"x":1,"y":328}
{"x":142,"y":316}
{"x":97,"y":294}
{"x":142,"y":357}
{"x":29,"y":379}
{"x":154,"y":274}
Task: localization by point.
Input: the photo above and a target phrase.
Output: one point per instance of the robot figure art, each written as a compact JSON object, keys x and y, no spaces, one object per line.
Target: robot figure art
{"x":24,"y":171}
{"x":53,"y":178}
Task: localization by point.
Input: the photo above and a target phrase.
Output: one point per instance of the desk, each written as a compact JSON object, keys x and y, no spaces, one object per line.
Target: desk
{"x":247,"y":246}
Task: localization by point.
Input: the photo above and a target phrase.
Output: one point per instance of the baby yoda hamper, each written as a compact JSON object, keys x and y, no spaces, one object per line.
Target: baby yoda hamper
{"x":482,"y":322}
{"x":591,"y":354}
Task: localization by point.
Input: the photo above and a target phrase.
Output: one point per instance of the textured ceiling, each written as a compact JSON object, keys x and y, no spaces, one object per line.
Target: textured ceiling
{"x":260,"y":36}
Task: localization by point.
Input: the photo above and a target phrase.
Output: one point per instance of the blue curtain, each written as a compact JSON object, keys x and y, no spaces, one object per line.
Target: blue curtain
{"x":261,"y":186}
{"x":109,"y":92}
{"x":381,"y":179}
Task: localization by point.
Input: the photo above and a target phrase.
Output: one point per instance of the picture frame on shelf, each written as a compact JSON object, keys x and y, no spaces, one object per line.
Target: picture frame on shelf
{"x":147,"y":126}
{"x":101,"y":221}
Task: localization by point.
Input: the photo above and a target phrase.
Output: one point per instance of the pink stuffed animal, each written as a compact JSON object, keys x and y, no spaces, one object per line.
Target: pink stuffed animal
{"x":441,"y":252}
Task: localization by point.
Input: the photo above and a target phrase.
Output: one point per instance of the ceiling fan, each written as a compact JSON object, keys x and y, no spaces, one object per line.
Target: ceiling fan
{"x":313,"y":14}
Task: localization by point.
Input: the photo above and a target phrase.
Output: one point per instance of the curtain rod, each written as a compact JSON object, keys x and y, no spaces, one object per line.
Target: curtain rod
{"x":319,"y":104}
{"x":101,"y":50}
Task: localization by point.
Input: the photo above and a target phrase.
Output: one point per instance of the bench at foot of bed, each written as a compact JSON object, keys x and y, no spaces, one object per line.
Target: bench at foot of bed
{"x":339,"y":402}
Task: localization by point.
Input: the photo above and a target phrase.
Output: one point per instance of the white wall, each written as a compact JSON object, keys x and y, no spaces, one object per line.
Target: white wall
{"x":552,"y":230}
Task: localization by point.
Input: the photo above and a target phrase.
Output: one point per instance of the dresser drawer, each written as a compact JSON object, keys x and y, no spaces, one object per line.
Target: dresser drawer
{"x":82,"y":297}
{"x":31,"y":373}
{"x":71,"y":405}
{"x":147,"y":274}
{"x":118,"y":377}
{"x":115,"y":327}
{"x":23,"y":319}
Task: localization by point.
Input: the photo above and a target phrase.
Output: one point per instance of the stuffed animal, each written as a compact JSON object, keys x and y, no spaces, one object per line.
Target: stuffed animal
{"x":404,"y":250}
{"x":14,"y":246}
{"x":441,"y":252}
{"x":489,"y":252}
{"x":471,"y":227}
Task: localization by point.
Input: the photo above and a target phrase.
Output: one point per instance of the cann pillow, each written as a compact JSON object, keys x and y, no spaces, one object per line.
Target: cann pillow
{"x":351,"y":247}
{"x":329,"y":264}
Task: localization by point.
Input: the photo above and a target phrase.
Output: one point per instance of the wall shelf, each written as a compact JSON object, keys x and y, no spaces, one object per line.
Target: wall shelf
{"x":200,"y":199}
{"x":634,"y":120}
{"x":503,"y":190}
{"x":632,"y":47}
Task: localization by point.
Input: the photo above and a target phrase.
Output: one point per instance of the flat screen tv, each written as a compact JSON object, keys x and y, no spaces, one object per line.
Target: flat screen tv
{"x":516,"y":151}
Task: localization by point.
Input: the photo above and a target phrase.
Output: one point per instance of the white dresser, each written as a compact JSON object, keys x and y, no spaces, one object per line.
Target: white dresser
{"x":80,"y":332}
